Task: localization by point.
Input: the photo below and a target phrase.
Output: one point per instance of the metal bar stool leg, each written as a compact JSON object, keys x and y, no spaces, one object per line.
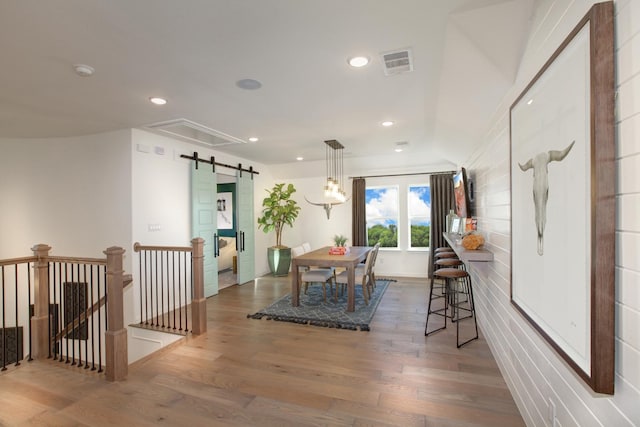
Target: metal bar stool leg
{"x":471,"y":309}
{"x":438,"y":312}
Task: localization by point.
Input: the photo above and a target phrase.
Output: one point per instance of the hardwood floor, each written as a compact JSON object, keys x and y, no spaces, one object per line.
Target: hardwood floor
{"x":247,"y":372}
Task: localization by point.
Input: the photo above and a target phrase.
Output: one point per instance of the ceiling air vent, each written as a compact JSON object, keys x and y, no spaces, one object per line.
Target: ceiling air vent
{"x":396,"y":62}
{"x":187,"y":130}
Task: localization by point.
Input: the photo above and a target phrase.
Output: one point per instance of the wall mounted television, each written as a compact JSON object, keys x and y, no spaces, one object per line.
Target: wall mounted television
{"x":461,"y":192}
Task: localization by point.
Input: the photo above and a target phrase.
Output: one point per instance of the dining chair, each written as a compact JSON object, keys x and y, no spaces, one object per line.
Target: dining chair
{"x":314,"y":274}
{"x":362,"y":278}
{"x":322,"y":276}
{"x":372,"y":276}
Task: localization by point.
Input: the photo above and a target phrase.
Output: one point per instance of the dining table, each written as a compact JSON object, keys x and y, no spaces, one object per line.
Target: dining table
{"x":322,"y":258}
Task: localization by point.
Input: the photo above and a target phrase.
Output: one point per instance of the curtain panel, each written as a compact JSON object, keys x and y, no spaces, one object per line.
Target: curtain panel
{"x":358,"y":212}
{"x":442,"y":201}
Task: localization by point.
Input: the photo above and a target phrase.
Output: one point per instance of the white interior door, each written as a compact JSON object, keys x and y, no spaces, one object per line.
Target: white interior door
{"x":204,"y":218}
{"x":246,"y":228}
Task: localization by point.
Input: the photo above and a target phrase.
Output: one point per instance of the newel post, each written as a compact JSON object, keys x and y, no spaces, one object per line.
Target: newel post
{"x":199,"y":302}
{"x":40,"y":319}
{"x":117,"y":363}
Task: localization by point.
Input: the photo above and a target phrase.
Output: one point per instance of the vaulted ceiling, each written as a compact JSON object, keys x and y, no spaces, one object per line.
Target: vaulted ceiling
{"x":192,"y":52}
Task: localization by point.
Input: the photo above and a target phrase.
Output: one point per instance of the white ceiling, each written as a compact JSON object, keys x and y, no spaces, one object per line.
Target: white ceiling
{"x":465,"y":52}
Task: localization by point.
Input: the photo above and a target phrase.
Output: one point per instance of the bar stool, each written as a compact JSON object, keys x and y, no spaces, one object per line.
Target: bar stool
{"x":452,"y":278}
{"x":449,"y":262}
{"x":443,"y":254}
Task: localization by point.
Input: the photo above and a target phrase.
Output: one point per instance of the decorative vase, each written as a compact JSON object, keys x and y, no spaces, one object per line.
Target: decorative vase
{"x":279,"y":260}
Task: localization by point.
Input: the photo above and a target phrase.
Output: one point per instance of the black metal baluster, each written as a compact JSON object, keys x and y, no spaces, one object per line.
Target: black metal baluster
{"x":140,"y":281}
{"x":59,"y":320}
{"x":64,"y":301}
{"x":167,"y":282}
{"x":87,"y":305}
{"x":186,"y":317}
{"x":74,"y":305}
{"x":29,"y":301}
{"x":162,"y":287}
{"x":56,"y":309}
{"x":179,"y":291}
{"x":157,"y":291}
{"x":173,"y":285}
{"x":99,"y":327}
{"x":106,"y":301}
{"x":146,"y":288}
{"x":4,"y":341}
{"x":18,"y":343}
{"x":51,"y":272}
{"x":93,"y":330}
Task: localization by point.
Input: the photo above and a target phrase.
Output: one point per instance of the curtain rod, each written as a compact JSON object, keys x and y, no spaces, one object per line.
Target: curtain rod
{"x":403,"y":174}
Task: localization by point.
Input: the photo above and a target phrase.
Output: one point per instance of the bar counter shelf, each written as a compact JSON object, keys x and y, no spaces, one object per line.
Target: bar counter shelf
{"x":467,"y":255}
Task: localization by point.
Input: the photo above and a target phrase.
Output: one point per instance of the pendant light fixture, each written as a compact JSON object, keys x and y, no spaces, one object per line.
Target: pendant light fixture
{"x":335,"y":171}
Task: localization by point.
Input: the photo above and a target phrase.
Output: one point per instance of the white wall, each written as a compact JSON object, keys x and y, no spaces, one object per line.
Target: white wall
{"x":73,"y":194}
{"x":534,"y":372}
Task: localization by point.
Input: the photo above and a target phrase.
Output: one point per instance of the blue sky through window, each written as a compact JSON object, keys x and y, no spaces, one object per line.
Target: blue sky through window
{"x":419,"y":199}
{"x":382,"y":206}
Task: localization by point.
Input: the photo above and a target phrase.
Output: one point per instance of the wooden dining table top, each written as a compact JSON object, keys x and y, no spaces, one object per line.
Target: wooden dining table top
{"x":322,"y":256}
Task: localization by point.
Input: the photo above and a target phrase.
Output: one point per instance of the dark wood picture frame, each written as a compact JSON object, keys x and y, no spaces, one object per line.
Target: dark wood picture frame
{"x":598,"y":367}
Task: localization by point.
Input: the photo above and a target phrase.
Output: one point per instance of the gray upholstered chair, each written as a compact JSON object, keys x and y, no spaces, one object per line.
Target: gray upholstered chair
{"x":362,"y":277}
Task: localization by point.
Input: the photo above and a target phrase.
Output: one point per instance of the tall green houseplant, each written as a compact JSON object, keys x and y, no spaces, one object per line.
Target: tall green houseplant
{"x":278,"y":210}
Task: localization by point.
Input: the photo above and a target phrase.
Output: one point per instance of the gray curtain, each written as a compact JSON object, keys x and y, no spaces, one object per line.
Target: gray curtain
{"x":358,"y":213}
{"x":442,"y":200}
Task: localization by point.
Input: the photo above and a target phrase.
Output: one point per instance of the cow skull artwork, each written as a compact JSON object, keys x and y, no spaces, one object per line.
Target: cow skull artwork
{"x":539,"y":164}
{"x":327,"y":206}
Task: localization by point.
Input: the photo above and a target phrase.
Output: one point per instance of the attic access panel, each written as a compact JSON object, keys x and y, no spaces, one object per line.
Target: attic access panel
{"x":189,"y":131}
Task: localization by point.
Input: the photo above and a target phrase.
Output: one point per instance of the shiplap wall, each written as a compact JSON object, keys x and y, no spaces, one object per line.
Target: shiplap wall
{"x":533,"y":370}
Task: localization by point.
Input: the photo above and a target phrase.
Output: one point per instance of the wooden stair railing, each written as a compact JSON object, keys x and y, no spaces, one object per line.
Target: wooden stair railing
{"x":158,"y":272}
{"x":116,"y":363}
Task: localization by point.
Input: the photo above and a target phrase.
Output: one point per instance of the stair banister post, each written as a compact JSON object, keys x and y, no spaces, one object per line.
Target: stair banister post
{"x":40,"y":319}
{"x":199,"y":302}
{"x":117,"y":361}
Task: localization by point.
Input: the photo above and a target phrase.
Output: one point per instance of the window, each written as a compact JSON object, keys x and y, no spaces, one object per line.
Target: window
{"x":419,"y":215}
{"x":382,"y":216}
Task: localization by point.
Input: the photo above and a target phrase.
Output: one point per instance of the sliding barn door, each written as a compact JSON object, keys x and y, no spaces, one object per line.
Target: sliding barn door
{"x":204,"y":218}
{"x":246,"y":228}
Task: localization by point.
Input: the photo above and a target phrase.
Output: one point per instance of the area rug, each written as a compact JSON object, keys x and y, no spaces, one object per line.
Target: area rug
{"x":314,"y":311}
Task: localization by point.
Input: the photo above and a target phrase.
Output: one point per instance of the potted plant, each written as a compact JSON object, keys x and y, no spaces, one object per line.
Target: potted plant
{"x":339,"y":240}
{"x":340,"y":247}
{"x":278,"y":210}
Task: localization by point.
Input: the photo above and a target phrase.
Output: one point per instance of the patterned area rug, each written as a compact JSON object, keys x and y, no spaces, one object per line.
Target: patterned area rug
{"x":314,"y":311}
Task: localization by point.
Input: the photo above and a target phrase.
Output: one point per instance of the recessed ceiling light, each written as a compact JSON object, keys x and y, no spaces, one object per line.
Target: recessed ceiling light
{"x":84,"y":70}
{"x":358,"y":61}
{"x":248,"y":84}
{"x":400,"y":146}
{"x":253,"y":139}
{"x":299,"y":158}
{"x":158,"y":101}
{"x":387,"y":123}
